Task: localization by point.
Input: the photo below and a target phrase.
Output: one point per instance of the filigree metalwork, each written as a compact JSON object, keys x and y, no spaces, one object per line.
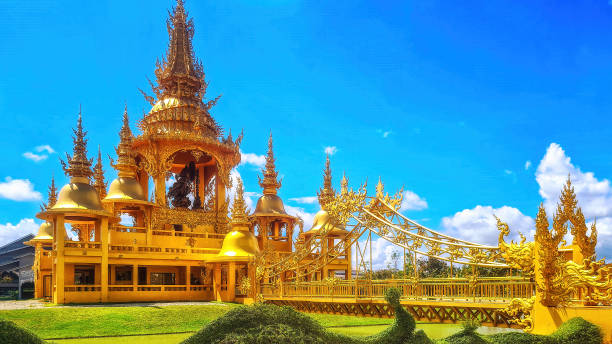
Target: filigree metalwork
{"x":517,"y":255}
{"x":161,"y":216}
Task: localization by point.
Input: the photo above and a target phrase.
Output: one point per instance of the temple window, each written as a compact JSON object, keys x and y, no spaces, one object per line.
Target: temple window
{"x":123,"y":274}
{"x":163,"y":278}
{"x":84,"y":274}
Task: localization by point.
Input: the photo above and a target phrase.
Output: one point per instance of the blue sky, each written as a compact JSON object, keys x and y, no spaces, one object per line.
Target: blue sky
{"x":449,"y":99}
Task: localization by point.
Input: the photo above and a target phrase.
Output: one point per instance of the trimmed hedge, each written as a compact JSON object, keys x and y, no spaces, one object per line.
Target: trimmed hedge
{"x":13,"y":334}
{"x":573,"y":331}
{"x":258,"y":324}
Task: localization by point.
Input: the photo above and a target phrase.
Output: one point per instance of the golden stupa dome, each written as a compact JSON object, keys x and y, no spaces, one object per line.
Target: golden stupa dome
{"x":270,"y":204}
{"x":45,"y":232}
{"x":323,"y":220}
{"x":125,"y":188}
{"x":78,"y":195}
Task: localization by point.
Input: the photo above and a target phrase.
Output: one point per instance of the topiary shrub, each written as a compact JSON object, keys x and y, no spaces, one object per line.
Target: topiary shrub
{"x":573,"y":331}
{"x":261,"y":323}
{"x":578,"y":331}
{"x":13,"y":334}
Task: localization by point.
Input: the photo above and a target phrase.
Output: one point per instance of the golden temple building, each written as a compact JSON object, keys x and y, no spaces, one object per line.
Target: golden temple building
{"x":183,"y":243}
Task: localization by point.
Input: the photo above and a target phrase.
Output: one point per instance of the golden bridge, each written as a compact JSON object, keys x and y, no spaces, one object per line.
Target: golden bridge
{"x":507,"y":301}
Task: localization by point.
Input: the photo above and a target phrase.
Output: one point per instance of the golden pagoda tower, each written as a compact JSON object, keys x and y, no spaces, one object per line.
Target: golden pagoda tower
{"x":274,"y":225}
{"x":78,"y":204}
{"x":179,"y":130}
{"x":322,"y":222}
{"x":237,"y":252}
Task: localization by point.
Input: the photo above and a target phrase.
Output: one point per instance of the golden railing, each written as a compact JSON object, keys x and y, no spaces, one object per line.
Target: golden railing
{"x":444,"y":289}
{"x":83,"y":244}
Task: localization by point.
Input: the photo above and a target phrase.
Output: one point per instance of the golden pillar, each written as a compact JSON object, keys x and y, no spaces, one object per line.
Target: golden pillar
{"x":231,"y":282}
{"x":135,"y":277}
{"x":58,"y":295}
{"x":217,"y":282}
{"x":104,"y":236}
{"x":160,"y":189}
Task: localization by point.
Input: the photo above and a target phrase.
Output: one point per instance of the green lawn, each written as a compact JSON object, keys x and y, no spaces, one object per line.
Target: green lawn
{"x":109,"y":321}
{"x":115,"y":321}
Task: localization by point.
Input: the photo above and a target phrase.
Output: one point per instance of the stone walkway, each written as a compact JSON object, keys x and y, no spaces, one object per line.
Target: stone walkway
{"x":33,"y":304}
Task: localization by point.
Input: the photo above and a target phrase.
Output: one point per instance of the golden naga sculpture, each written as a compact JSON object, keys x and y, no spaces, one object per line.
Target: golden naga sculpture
{"x":593,"y":278}
{"x":520,"y":310}
{"x":517,"y":255}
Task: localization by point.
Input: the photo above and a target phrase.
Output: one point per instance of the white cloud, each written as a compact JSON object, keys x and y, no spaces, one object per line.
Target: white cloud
{"x":305,"y":200}
{"x":19,"y":190}
{"x":382,"y":252}
{"x":384,"y":133}
{"x":35,"y":157}
{"x":301,"y":213}
{"x":594,"y":195}
{"x":10,"y":232}
{"x":479,"y":225}
{"x":412,"y":201}
{"x":331,"y":150}
{"x":45,"y":148}
{"x":39,"y":157}
{"x":527,"y":164}
{"x":252,"y":159}
{"x":508,"y":172}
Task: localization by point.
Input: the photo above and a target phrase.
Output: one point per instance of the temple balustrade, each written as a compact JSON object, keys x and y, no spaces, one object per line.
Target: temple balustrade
{"x":138,"y":293}
{"x":494,"y":289}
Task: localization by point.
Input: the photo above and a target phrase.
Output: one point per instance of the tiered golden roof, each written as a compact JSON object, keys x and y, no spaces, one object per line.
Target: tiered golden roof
{"x":181,"y":87}
{"x":270,"y":203}
{"x":125,"y":187}
{"x":78,"y":194}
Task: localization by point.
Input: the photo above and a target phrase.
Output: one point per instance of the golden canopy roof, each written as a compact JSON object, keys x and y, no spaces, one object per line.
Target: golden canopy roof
{"x":45,"y":232}
{"x":179,"y":119}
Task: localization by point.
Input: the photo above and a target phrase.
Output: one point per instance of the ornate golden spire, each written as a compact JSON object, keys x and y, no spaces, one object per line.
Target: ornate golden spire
{"x":270,"y":183}
{"x":98,"y":173}
{"x":239,"y":211}
{"x":126,"y":165}
{"x":327,"y":191}
{"x":52,"y":195}
{"x":78,"y":167}
{"x":344,"y":184}
{"x":573,"y":214}
{"x":181,"y":86}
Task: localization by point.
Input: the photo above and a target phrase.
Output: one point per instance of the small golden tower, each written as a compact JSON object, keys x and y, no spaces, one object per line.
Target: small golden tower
{"x":78,"y":194}
{"x":125,"y":188}
{"x":323,"y":223}
{"x":274,"y":225}
{"x":98,"y":172}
